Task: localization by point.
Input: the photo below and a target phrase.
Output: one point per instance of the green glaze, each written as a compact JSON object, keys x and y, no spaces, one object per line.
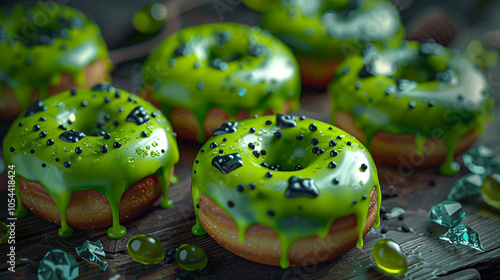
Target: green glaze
{"x":433,"y":92}
{"x":251,"y":70}
{"x":332,"y":30}
{"x":389,"y":257}
{"x":40,"y":42}
{"x":145,"y":249}
{"x":144,"y":148}
{"x":341,"y":191}
{"x":190,"y":257}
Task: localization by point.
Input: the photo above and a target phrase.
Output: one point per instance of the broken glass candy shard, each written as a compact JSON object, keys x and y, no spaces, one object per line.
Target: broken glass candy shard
{"x":57,"y":265}
{"x":447,"y":213}
{"x":490,"y":190}
{"x":93,"y":252}
{"x":465,"y":186}
{"x":463,"y":235}
{"x":477,"y":159}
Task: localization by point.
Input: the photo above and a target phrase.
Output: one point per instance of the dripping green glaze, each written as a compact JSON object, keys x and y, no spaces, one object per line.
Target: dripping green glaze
{"x":29,"y":65}
{"x":333,"y":29}
{"x":241,"y":81}
{"x":110,"y":172}
{"x":314,"y":215}
{"x":424,"y":105}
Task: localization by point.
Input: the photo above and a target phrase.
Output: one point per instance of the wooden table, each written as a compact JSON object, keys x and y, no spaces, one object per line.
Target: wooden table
{"x":428,"y":256}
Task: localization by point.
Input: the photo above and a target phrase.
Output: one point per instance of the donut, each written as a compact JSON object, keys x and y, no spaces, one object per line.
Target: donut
{"x":90,"y":158}
{"x":46,"y":49}
{"x":206,"y":75}
{"x":283,"y":190}
{"x":322,"y":33}
{"x":414,"y":106}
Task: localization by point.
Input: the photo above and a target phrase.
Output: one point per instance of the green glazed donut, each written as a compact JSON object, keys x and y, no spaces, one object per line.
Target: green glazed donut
{"x":100,"y":138}
{"x":40,"y":42}
{"x":322,"y":33}
{"x":421,"y":89}
{"x":228,"y":66}
{"x":293,"y":175}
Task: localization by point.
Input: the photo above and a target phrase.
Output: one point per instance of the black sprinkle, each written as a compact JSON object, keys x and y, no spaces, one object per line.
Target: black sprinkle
{"x":339,"y":137}
{"x":405,"y":228}
{"x":269,"y":174}
{"x":170,"y":253}
{"x":355,"y":201}
{"x":104,"y":87}
{"x":431,"y":103}
{"x":42,"y":134}
{"x":20,"y":124}
{"x":401,"y":216}
{"x":62,"y":126}
{"x":278,"y":134}
{"x":271,"y":213}
{"x":432,"y":182}
{"x":198,"y":206}
{"x":313,"y":127}
{"x":256,"y":154}
{"x":107,"y":99}
{"x":412,"y":104}
{"x":348,"y":143}
{"x":72,"y":136}
{"x":227,"y":163}
{"x":225,"y":128}
{"x":57,"y":159}
{"x":334,"y":153}
{"x":240,"y":187}
{"x":117,"y":144}
{"x":221,"y":151}
{"x":36,"y":127}
{"x":299,"y":167}
{"x":264,"y":165}
{"x":197,"y":161}
{"x":363,"y":167}
{"x":78,"y":150}
{"x":50,"y":142}
{"x":252,"y":130}
{"x":300,"y":137}
{"x":332,"y":164}
{"x":383,"y":230}
{"x":117,"y":94}
{"x":44,"y":165}
{"x":335,"y":181}
{"x":85,"y":103}
{"x":66,"y":164}
{"x":202,"y":150}
{"x":144,"y":134}
{"x":263,"y":152}
{"x":36,"y":107}
{"x":42,"y":119}
{"x":284,"y":121}
{"x":106,"y":136}
{"x":153,"y":114}
{"x":12,"y":149}
{"x":332,"y":143}
{"x":302,"y":118}
{"x":364,"y":196}
{"x":230,"y":204}
{"x":301,"y":187}
{"x":115,"y":123}
{"x":120,"y":109}
{"x":268,"y":122}
{"x":213,"y":145}
{"x":73,"y":91}
{"x":104,"y":148}
{"x":314,"y":141}
{"x":251,"y":145}
{"x":252,"y":186}
{"x":138,"y":116}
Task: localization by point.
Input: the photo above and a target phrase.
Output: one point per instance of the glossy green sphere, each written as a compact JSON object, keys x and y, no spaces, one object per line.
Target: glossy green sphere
{"x":389,"y":257}
{"x":490,"y":190}
{"x":145,"y":249}
{"x":150,"y":19}
{"x":190,"y":257}
{"x":4,"y":233}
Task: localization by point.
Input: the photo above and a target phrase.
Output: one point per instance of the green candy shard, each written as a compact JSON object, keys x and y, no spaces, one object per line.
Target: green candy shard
{"x":190,"y":257}
{"x":295,"y":202}
{"x":450,"y":98}
{"x":102,"y":159}
{"x":447,"y":213}
{"x":57,"y":265}
{"x":4,"y":233}
{"x":145,"y":249}
{"x":463,"y":235}
{"x":93,"y":252}
{"x":477,"y":159}
{"x":490,"y":190}
{"x":226,"y":65}
{"x":468,"y":185}
{"x":36,"y":53}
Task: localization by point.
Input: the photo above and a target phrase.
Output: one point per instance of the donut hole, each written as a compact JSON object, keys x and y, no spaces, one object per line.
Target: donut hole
{"x":290,"y":155}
